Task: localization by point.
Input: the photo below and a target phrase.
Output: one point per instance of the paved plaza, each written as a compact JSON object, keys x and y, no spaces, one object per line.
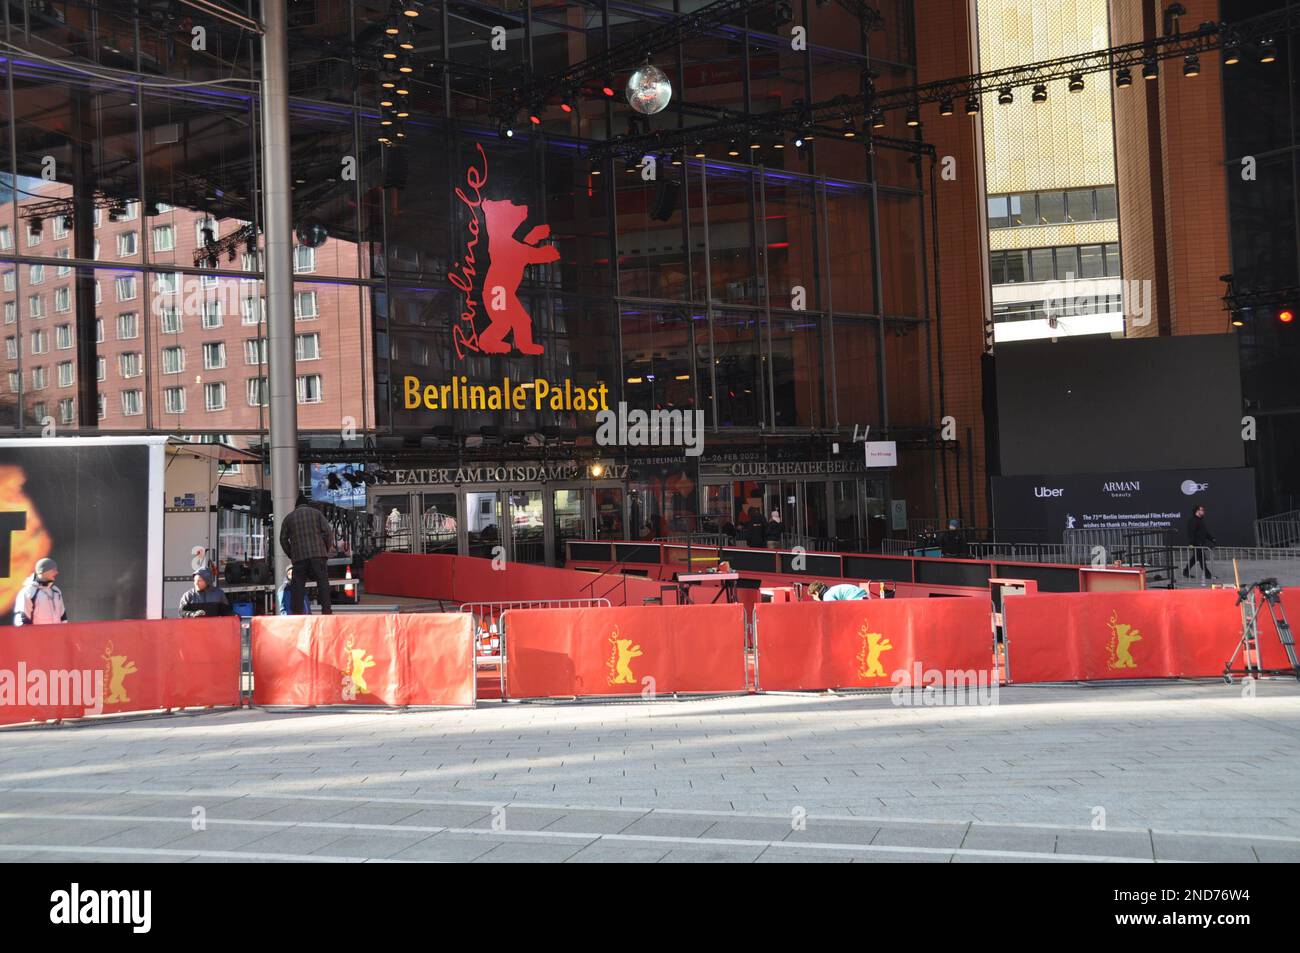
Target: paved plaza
{"x":1182,"y":772}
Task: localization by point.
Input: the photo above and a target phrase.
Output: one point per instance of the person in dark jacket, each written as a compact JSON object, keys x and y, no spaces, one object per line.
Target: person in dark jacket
{"x":205,"y":599}
{"x":1198,"y":537}
{"x":308,"y":539}
{"x":756,"y":530}
{"x":772,"y":531}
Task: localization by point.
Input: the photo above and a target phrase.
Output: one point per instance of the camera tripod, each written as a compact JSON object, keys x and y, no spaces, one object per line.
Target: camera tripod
{"x":1253,"y":599}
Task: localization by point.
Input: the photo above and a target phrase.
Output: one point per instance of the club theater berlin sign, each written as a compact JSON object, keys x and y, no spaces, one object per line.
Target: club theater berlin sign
{"x":490,"y":290}
{"x":1151,"y":500}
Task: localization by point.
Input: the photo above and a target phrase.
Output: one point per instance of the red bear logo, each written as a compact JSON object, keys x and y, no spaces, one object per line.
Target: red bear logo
{"x":509,"y":258}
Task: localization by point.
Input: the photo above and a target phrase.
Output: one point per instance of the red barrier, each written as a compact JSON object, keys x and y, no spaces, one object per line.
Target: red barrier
{"x":872,"y":643}
{"x":416,"y":659}
{"x":624,"y":650}
{"x":415,"y":577}
{"x":49,"y":672}
{"x":1158,"y":633}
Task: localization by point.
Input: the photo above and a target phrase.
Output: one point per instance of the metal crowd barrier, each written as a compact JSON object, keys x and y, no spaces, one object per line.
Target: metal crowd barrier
{"x":490,"y":616}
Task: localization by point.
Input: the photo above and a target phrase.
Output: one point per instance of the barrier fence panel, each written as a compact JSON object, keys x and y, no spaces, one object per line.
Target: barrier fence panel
{"x":625,"y":650}
{"x":424,"y":659}
{"x":90,"y":668}
{"x":1158,"y":633}
{"x":873,"y":643}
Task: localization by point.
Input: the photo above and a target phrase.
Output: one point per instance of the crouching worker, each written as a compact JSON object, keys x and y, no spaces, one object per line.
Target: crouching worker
{"x":844,"y":592}
{"x":205,"y":599}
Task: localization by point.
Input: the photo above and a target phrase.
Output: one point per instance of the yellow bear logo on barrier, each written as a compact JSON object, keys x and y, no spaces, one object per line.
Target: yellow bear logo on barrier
{"x":873,"y":644}
{"x":622,"y":652}
{"x":361,"y":661}
{"x":118,"y":667}
{"x":1122,"y":637}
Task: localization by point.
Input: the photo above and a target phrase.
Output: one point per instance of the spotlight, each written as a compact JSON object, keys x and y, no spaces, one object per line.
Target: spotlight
{"x":388,"y":83}
{"x":408,"y":8}
{"x":846,"y":128}
{"x":1005,"y":96}
{"x":629,"y":165}
{"x":676,"y":159}
{"x":1286,"y":315}
{"x":779,"y":143}
{"x":407,"y":42}
{"x":386,"y":102}
{"x":754,"y":142}
{"x":1267,"y":51}
{"x":972,"y":105}
{"x":392,"y":29}
{"x":250,"y":245}
{"x":1076,"y":83}
{"x":1231,"y":55}
{"x":877,"y":119}
{"x":1237,"y":320}
{"x":401,"y":89}
{"x":36,"y":225}
{"x":798,"y":143}
{"x":535,"y":119}
{"x":1123,"y":78}
{"x":699,"y":152}
{"x":402,"y":113}
{"x":608,"y":90}
{"x":1149,"y":68}
{"x":390,"y":50}
{"x":1191,"y":65}
{"x":1040,"y":93}
{"x":595,"y":167}
{"x":913,"y":116}
{"x":565,"y":107}
{"x":386,"y":120}
{"x":406,"y":66}
{"x":505,"y":131}
{"x":945,"y":107}
{"x":733,"y":149}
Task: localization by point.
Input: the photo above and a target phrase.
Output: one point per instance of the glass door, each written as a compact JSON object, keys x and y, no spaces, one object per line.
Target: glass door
{"x":483,"y":523}
{"x":392,"y":516}
{"x":438,"y":523}
{"x":527,"y":526}
{"x":568,"y":521}
{"x":608,"y":513}
{"x":844,"y":515}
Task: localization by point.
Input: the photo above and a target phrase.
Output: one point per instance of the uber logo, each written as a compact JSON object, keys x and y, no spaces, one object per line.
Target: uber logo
{"x":1043,"y":491}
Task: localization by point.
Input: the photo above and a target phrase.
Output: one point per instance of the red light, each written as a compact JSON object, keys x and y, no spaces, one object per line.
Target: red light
{"x":1286,"y":316}
{"x":535,"y":120}
{"x":566,"y":107}
{"x":607,"y":90}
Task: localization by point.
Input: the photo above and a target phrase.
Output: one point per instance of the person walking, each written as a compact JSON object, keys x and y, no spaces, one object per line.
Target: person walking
{"x":40,"y":601}
{"x":307,"y":538}
{"x":206,"y":599}
{"x":1199,"y":537}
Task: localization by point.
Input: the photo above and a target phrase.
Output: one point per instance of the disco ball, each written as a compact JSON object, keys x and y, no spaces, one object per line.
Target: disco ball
{"x":648,"y":90}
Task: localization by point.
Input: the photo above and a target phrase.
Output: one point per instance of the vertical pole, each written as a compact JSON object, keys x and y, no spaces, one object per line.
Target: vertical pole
{"x":278,"y":242}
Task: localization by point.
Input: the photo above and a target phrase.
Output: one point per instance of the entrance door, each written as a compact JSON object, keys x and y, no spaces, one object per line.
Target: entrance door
{"x":568,"y":520}
{"x":392,"y":518}
{"x":527,"y":522}
{"x":483,"y":525}
{"x":607,"y":513}
{"x":438,"y":523}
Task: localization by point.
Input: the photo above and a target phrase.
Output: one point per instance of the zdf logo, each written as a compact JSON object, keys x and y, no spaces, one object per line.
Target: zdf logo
{"x":1191,"y":487}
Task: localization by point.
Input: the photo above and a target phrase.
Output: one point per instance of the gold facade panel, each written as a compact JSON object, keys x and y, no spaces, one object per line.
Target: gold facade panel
{"x":1046,"y":236}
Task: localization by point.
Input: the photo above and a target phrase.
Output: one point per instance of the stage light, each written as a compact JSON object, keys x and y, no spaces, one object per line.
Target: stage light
{"x":733,"y":149}
{"x":972,"y":105}
{"x":388,"y":83}
{"x":402,"y":114}
{"x":608,"y":90}
{"x":945,"y":107}
{"x":1231,"y":54}
{"x":390,"y":50}
{"x":913,"y":116}
{"x":754,"y":142}
{"x":408,"y":8}
{"x":535,"y":119}
{"x":406,"y":42}
{"x":877,"y":119}
{"x":565,"y":107}
{"x":392,"y":29}
{"x":36,"y":226}
{"x":1040,"y":93}
{"x":1005,"y":96}
{"x":676,"y":159}
{"x":1267,"y":51}
{"x":401,"y":90}
{"x":595,"y":167}
{"x":385,"y":120}
{"x":505,"y":131}
{"x":597,"y":470}
{"x":230,"y":253}
{"x":209,"y":235}
{"x":798,"y":142}
{"x":1286,"y":315}
{"x":1150,"y":70}
{"x":67,"y":219}
{"x":629,"y":165}
{"x":406,"y":66}
{"x":385,"y":102}
{"x":846,"y":128}
{"x":1123,"y":78}
{"x":1237,"y":319}
{"x":1191,"y":65}
{"x":1076,"y":83}
{"x":699,"y":152}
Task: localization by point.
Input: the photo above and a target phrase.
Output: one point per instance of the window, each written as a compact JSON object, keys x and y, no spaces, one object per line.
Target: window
{"x":304,"y":305}
{"x":307,"y":347}
{"x":214,"y":355}
{"x":309,"y":389}
{"x":15,"y":381}
{"x":128,"y":326}
{"x":126,"y":244}
{"x":39,"y":378}
{"x":36,"y":274}
{"x":206,"y":223}
{"x":211,"y":314}
{"x":174,"y":400}
{"x":173,"y":360}
{"x":66,"y":410}
{"x":1051,"y":208}
{"x":207,"y":281}
{"x":214,"y":396}
{"x":6,"y":238}
{"x":998,"y":216}
{"x":33,"y":238}
{"x":1067,"y":263}
{"x":255,"y":351}
{"x":257,"y":392}
{"x":130,"y":211}
{"x":64,"y":270}
{"x":101,"y":368}
{"x":38,"y":411}
{"x":99,"y":217}
{"x":99,"y":330}
{"x":1079,"y":206}
{"x":129,"y":364}
{"x":65,"y":374}
{"x":132,"y":405}
{"x":1023,"y":210}
{"x":11,"y":348}
{"x":164,"y":238}
{"x":63,"y":337}
{"x":251,"y":262}
{"x":1107,"y":209}
{"x":125,"y":288}
{"x":40,"y":343}
{"x":1017,"y":267}
{"x":167,"y":283}
{"x":162,"y":208}
{"x":63,"y":299}
{"x":171,"y":320}
{"x":35,"y":307}
{"x":304,"y":259}
{"x":103,"y":402}
{"x":60,"y":223}
{"x":9,"y":281}
{"x":253,"y":310}
{"x":11,"y":312}
{"x":1040,"y":264}
{"x":1112,"y":260}
{"x":99,"y":293}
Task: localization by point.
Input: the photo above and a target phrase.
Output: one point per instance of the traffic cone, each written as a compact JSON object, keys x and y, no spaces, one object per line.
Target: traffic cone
{"x":349,"y":589}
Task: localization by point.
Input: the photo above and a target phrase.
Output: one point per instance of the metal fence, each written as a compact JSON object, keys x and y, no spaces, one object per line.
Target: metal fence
{"x":1278,"y":531}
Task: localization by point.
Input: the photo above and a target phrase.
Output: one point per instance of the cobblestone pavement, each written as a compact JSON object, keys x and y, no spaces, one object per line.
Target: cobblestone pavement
{"x":1168,"y":772}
